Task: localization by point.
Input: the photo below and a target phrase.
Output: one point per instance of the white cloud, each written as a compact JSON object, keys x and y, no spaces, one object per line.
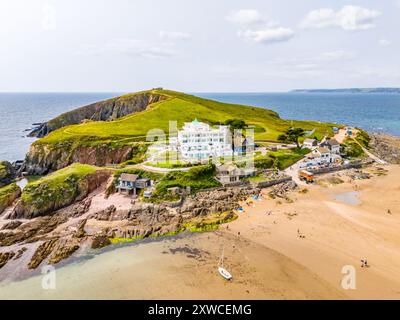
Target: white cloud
{"x":338,"y":55}
{"x":398,"y":3}
{"x":384,"y":43}
{"x":174,"y":35}
{"x":130,"y":47}
{"x":269,"y":35}
{"x":347,"y":18}
{"x":243,"y":17}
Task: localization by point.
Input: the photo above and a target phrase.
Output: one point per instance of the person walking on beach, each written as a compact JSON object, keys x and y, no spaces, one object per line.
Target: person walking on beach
{"x":364,"y":263}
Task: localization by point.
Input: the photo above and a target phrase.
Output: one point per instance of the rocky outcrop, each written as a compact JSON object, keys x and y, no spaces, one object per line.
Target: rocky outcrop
{"x":45,"y":198}
{"x":41,"y":253}
{"x":101,"y":111}
{"x":7,"y":173}
{"x":386,"y":147}
{"x":63,"y":250}
{"x":11,"y":225}
{"x":219,"y":200}
{"x":196,"y":211}
{"x":20,"y":252}
{"x":32,"y":231}
{"x":56,"y":243}
{"x":104,"y":215}
{"x":100,"y":241}
{"x":5,"y":257}
{"x":80,"y":230}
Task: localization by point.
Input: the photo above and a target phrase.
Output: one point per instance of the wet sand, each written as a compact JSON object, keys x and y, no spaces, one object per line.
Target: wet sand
{"x":296,"y":252}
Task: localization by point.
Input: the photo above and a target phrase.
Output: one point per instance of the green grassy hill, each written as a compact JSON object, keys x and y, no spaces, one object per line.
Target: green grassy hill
{"x":123,"y":139}
{"x":181,"y":108}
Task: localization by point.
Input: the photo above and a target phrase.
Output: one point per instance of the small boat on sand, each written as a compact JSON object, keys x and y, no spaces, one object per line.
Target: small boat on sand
{"x":221,"y":270}
{"x":224,"y":273}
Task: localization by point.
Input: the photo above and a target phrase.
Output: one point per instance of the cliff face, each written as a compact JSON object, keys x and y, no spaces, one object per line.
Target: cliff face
{"x":101,"y":111}
{"x":43,"y":158}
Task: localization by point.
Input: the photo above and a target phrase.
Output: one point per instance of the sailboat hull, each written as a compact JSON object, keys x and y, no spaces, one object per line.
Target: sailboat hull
{"x":224,"y":273}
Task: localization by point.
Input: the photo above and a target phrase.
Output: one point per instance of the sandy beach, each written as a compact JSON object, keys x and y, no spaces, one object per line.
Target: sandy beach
{"x":287,"y":249}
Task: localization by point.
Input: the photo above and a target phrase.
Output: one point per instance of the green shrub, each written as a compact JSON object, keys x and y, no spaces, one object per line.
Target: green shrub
{"x":197,"y":178}
{"x":352,"y":149}
{"x":363,"y":138}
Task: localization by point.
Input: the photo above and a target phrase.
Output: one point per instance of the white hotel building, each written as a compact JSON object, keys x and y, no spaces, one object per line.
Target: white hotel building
{"x":199,"y":141}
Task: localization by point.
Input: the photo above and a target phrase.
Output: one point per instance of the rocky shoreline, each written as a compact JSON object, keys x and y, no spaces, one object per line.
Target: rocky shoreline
{"x":386,"y":147}
{"x":55,"y":237}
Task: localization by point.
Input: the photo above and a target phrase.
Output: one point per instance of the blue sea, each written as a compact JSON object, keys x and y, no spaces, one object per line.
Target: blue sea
{"x":373,"y":112}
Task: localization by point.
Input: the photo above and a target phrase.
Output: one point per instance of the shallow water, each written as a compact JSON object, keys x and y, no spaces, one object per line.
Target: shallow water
{"x":350,"y":198}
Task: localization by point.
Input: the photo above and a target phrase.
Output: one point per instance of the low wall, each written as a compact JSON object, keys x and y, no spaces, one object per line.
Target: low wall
{"x":235,"y":184}
{"x":353,"y":165}
{"x":266,"y":184}
{"x":174,"y":204}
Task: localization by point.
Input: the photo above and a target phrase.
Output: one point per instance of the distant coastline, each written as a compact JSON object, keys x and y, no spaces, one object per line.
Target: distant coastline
{"x":349,"y":90}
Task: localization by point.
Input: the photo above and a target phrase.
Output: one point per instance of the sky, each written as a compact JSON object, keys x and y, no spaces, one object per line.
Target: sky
{"x":197,"y":46}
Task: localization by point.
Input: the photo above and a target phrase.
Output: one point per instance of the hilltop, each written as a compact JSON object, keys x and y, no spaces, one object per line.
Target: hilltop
{"x":120,"y":135}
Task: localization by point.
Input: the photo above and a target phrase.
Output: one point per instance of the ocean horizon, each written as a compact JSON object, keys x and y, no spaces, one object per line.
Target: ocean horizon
{"x":374,"y":112}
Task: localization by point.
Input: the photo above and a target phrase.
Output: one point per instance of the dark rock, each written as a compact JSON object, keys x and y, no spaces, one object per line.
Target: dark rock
{"x":64,"y":249}
{"x":20,"y":252}
{"x":80,"y":232}
{"x":41,"y":253}
{"x":78,"y":209}
{"x":100,"y":241}
{"x":32,"y":231}
{"x":5,"y":257}
{"x":11,"y":225}
{"x":103,"y":215}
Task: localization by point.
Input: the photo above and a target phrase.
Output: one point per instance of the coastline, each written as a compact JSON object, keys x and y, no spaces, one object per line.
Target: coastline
{"x":268,"y":260}
{"x":60,"y":229}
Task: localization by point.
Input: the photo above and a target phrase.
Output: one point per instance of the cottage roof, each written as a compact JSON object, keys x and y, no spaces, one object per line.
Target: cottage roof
{"x":323,"y":150}
{"x":129,"y":177}
{"x":332,"y":142}
{"x":309,"y":140}
{"x":227,"y":167}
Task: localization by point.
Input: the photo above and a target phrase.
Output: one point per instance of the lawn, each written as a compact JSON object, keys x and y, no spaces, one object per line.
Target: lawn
{"x":280,"y":159}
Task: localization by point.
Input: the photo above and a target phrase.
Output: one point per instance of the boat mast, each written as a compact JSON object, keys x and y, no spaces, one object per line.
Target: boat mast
{"x":221,"y":260}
